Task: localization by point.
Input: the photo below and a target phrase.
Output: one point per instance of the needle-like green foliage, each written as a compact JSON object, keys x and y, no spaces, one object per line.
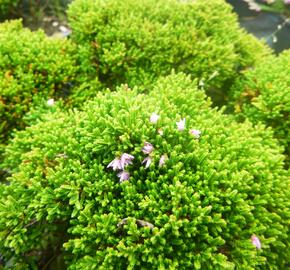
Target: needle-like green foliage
{"x":262,"y":95}
{"x":198,"y":209}
{"x":33,"y":67}
{"x":136,"y":41}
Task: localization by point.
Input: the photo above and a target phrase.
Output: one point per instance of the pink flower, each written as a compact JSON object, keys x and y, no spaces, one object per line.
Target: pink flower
{"x":124,"y":176}
{"x":115,"y":164}
{"x":162,"y":160}
{"x":181,"y":124}
{"x":148,"y":148}
{"x":119,"y":164}
{"x":154,"y":118}
{"x":148,"y":161}
{"x":256,"y":242}
{"x":125,"y":160}
{"x":195,"y":132}
{"x":287,"y":2}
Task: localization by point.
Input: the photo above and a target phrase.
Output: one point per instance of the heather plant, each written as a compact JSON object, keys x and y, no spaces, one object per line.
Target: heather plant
{"x":32,"y":67}
{"x":136,"y":41}
{"x":134,"y":181}
{"x":262,"y":95}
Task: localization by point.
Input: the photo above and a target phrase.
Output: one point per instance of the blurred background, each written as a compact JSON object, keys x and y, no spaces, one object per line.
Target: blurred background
{"x":266,"y":19}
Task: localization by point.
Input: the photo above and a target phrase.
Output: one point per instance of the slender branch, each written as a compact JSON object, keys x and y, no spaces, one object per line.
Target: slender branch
{"x":140,"y":222}
{"x":31,"y":223}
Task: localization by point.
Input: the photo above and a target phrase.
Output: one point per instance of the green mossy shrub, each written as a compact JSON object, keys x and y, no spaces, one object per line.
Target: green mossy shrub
{"x":262,"y":95}
{"x":32,"y":66}
{"x":198,"y":209}
{"x":137,"y":41}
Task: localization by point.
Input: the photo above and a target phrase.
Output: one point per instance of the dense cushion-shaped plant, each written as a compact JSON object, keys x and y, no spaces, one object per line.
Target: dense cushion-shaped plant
{"x":157,"y":181}
{"x":136,"y":41}
{"x":31,"y":66}
{"x":263,"y":95}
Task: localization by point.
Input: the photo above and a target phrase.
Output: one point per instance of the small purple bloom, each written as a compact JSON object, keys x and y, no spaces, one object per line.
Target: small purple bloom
{"x":287,"y":2}
{"x":162,"y":160}
{"x":125,"y":160}
{"x":148,"y":161}
{"x":119,"y":164}
{"x":124,"y":176}
{"x":181,"y":124}
{"x":195,"y":132}
{"x":115,"y":164}
{"x":154,"y":118}
{"x":148,"y":148}
{"x":256,"y":242}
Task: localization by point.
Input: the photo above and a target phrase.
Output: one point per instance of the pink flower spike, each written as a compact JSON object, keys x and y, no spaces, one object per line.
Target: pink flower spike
{"x":181,"y":124}
{"x":162,"y":160}
{"x":195,"y":132}
{"x":256,"y":242}
{"x":148,"y":148}
{"x":115,"y":164}
{"x":125,"y":160}
{"x":154,"y":118}
{"x":124,"y":176}
{"x":148,"y":161}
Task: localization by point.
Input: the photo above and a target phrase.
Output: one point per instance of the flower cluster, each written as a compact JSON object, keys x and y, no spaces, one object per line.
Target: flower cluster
{"x":127,"y":159}
{"x":120,"y":164}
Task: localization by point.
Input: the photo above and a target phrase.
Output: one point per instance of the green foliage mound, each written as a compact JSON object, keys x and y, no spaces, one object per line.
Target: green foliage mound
{"x":32,"y":66}
{"x":137,"y":41}
{"x":263,"y":95}
{"x":209,"y":186}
